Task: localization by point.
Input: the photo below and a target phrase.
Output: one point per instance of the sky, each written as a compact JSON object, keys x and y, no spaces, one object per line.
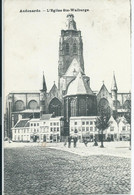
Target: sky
{"x":31,"y":42}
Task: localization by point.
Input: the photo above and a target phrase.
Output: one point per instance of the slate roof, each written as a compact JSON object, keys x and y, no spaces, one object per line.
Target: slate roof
{"x":79,"y":86}
{"x":22,"y":123}
{"x":46,"y":116}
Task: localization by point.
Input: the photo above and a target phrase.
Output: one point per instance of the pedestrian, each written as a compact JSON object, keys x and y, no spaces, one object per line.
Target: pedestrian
{"x":75,"y":140}
{"x":95,"y":142}
{"x":65,"y":142}
{"x":85,"y":142}
{"x":69,"y":141}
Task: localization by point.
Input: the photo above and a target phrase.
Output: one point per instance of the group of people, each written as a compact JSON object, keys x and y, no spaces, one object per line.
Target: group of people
{"x":70,"y":139}
{"x":75,"y":139}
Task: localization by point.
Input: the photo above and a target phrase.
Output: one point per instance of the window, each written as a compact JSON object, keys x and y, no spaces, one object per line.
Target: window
{"x":54,"y":128}
{"x":74,"y":48}
{"x":15,"y":131}
{"x":24,"y":130}
{"x":91,"y":122}
{"x":54,"y":124}
{"x":83,"y":122}
{"x":111,"y":128}
{"x":87,"y":128}
{"x":73,"y":107}
{"x":91,"y":128}
{"x":124,"y":128}
{"x":95,"y":129}
{"x":51,"y":124}
{"x":34,"y":130}
{"x":82,"y":107}
{"x":34,"y":124}
{"x":75,"y":123}
{"x":79,"y":128}
{"x":83,"y":128}
{"x":15,"y":137}
{"x":57,"y":123}
{"x":55,"y":107}
{"x":87,"y":122}
{"x":18,"y":130}
{"x":27,"y":130}
{"x":57,"y":128}
{"x":67,"y":48}
{"x":37,"y":130}
{"x":72,"y":129}
{"x":19,"y":105}
{"x":37,"y":124}
{"x":51,"y":129}
{"x":31,"y":124}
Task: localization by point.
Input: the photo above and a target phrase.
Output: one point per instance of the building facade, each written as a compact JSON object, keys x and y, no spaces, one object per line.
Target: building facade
{"x":73,"y":97}
{"x":44,"y":129}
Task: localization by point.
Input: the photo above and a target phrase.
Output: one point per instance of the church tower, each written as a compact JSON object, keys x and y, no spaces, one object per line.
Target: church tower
{"x":70,"y":48}
{"x":114,"y":90}
{"x":43,"y":98}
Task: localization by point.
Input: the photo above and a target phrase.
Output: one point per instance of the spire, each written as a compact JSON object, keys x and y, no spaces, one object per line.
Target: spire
{"x":114,"y":85}
{"x":71,"y":24}
{"x":44,"y":83}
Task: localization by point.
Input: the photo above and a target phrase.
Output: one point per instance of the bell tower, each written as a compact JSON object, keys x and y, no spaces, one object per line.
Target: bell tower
{"x":70,"y":47}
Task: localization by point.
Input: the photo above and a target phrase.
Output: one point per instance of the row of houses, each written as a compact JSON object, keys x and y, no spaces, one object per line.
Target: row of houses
{"x":50,"y":129}
{"x":86,"y":127}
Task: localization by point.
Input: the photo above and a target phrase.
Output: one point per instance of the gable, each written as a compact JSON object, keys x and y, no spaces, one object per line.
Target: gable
{"x":103,"y":93}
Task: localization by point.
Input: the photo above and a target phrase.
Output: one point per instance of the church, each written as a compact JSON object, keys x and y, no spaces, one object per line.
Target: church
{"x":73,"y":97}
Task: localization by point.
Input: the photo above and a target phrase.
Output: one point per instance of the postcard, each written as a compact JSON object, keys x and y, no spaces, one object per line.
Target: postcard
{"x":67,"y":97}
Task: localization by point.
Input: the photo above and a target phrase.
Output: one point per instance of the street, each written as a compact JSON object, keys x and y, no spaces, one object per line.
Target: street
{"x":42,"y":170}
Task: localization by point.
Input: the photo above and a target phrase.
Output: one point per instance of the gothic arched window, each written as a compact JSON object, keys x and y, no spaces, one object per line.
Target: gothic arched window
{"x":118,"y":104}
{"x":67,"y":48}
{"x":82,"y":107}
{"x":55,"y":107}
{"x":74,"y":48}
{"x":73,"y":107}
{"x":104,"y":106}
{"x":127,"y":104}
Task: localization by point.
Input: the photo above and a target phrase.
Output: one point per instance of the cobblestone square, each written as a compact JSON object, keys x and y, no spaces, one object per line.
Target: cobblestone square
{"x":42,"y":170}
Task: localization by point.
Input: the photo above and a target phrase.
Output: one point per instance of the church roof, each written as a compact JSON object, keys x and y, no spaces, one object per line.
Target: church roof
{"x":79,"y":86}
{"x":103,"y":90}
{"x":53,"y":89}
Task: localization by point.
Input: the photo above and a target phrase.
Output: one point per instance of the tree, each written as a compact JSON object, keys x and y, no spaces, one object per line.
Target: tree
{"x":102,"y":123}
